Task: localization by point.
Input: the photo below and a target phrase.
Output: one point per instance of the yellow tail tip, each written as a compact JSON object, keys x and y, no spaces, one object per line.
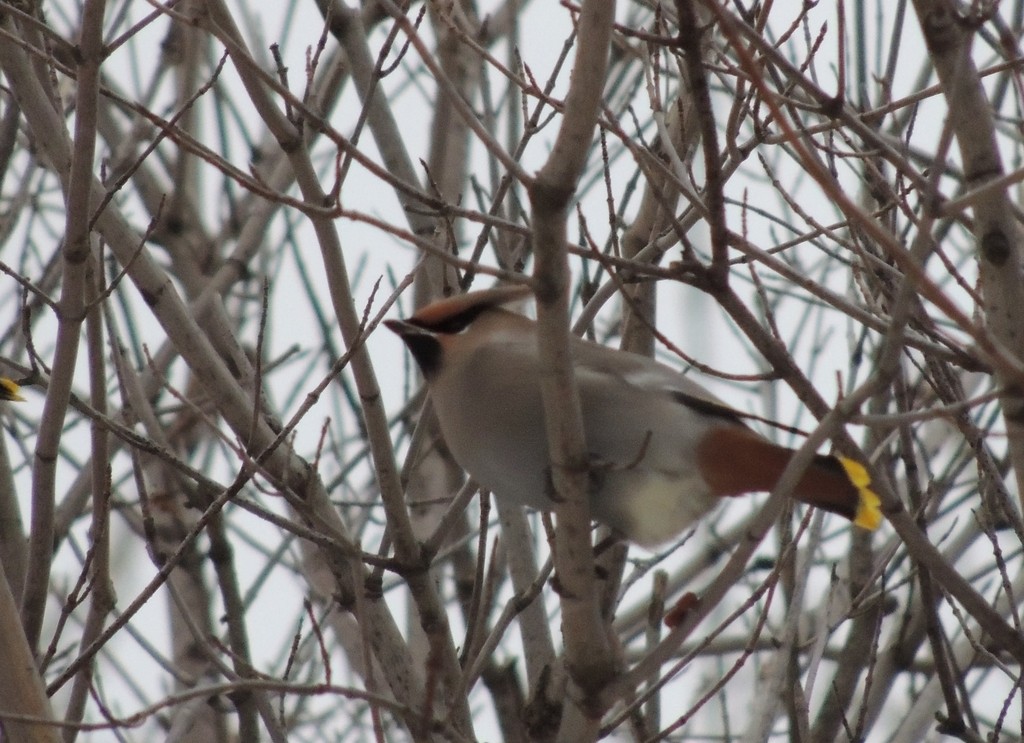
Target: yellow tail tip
{"x":869,"y":507}
{"x":9,"y":390}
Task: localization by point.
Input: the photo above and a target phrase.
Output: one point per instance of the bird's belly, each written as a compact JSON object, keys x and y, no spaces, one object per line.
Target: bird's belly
{"x":503,"y":447}
{"x":510,"y":470}
{"x":650,"y":507}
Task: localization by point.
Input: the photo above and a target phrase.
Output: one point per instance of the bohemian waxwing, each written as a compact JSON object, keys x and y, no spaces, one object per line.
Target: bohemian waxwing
{"x":663,"y":449}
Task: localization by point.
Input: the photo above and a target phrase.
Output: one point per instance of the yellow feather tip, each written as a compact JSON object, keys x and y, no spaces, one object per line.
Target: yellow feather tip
{"x":9,"y":390}
{"x":869,"y":509}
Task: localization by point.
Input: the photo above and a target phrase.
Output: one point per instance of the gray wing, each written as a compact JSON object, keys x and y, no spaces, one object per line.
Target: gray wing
{"x":643,"y":374}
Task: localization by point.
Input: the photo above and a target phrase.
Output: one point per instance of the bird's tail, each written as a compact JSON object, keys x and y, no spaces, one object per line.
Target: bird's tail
{"x":836,"y":484}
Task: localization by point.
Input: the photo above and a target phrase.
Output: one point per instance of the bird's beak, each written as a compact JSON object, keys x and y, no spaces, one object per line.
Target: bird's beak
{"x":422,"y":344}
{"x":401,"y":328}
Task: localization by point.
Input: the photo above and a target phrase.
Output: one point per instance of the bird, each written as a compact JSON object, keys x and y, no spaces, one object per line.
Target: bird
{"x":662,"y":451}
{"x":9,"y":390}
